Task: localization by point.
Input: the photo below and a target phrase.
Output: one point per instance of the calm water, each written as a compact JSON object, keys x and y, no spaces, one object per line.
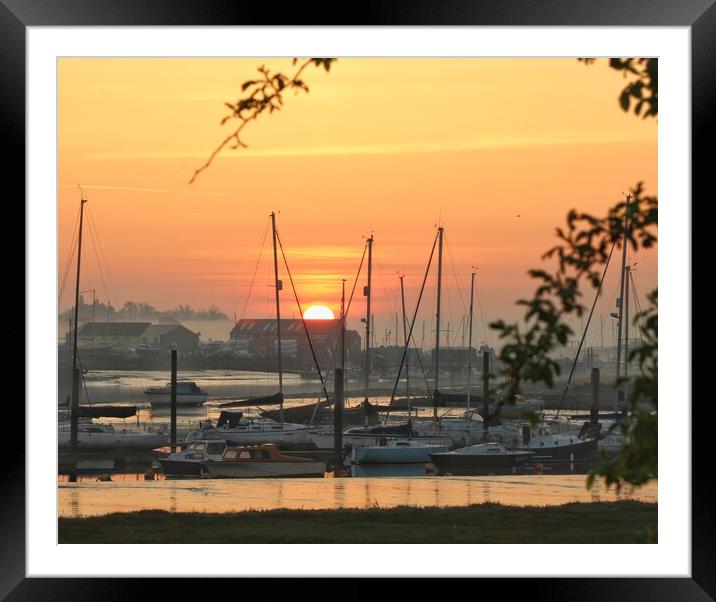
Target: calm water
{"x":382,"y":486}
{"x":131,"y":492}
{"x":113,"y":386}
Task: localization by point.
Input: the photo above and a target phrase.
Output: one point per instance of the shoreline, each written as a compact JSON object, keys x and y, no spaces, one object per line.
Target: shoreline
{"x":625,"y":521}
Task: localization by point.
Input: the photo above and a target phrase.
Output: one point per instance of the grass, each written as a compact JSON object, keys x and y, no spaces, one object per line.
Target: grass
{"x":597,"y":522}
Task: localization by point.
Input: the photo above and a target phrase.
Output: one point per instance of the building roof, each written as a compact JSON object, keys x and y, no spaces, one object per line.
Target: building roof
{"x":157,"y":330}
{"x":265,"y":326}
{"x":127,"y":329}
{"x":112,"y":329}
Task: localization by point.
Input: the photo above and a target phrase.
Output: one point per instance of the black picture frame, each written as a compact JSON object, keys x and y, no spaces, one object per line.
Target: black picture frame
{"x":699,"y":15}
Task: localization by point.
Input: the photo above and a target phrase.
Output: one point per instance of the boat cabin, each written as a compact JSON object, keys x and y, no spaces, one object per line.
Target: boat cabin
{"x":254,"y":453}
{"x":265,"y":451}
{"x":198,"y":449}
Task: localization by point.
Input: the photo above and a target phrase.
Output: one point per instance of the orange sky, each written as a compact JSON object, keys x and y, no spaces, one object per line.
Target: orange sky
{"x":389,"y":146}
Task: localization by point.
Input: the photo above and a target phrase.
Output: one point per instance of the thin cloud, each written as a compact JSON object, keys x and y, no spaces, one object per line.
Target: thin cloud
{"x":150,"y":190}
{"x":391,"y":148}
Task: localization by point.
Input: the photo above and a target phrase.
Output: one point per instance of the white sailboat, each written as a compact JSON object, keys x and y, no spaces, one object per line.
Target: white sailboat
{"x":79,"y":434}
{"x":239,"y":431}
{"x":98,"y":436}
{"x":610,"y":438}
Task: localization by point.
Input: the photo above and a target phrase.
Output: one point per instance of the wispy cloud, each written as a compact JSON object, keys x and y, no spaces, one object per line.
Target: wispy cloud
{"x":425,"y":146}
{"x":150,"y":190}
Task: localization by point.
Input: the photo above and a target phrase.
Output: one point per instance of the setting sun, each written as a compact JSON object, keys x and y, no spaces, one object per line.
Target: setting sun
{"x":318,"y":312}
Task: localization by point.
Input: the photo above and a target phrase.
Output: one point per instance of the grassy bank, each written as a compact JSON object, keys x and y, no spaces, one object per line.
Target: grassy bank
{"x":601,"y":522}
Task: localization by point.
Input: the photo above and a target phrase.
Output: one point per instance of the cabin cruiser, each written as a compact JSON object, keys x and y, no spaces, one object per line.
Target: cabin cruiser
{"x":93,"y":435}
{"x":483,"y":458}
{"x":188,"y":393}
{"x":188,"y":461}
{"x":395,"y":451}
{"x":236,"y":429}
{"x":262,"y":461}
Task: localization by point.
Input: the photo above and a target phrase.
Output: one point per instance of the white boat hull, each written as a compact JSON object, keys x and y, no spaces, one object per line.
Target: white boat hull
{"x":264,"y":468}
{"x":248,"y":437}
{"x":127,"y":440}
{"x":184,"y":399}
{"x":325,"y":440}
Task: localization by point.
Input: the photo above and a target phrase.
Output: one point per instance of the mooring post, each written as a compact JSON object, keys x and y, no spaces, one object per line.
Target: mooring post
{"x":74,"y":417}
{"x":594,"y":412}
{"x":485,"y":389}
{"x":338,"y":417}
{"x":173,"y":431}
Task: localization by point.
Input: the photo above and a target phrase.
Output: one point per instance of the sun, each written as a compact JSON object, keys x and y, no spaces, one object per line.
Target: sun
{"x":318,"y":312}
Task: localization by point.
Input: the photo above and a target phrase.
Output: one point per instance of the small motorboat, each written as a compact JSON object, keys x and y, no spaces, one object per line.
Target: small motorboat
{"x":188,"y":393}
{"x":262,"y":461}
{"x":395,"y":451}
{"x":483,"y":458}
{"x":188,"y":462}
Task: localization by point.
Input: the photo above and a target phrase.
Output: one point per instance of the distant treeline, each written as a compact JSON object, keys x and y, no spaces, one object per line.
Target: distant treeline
{"x":140,"y":311}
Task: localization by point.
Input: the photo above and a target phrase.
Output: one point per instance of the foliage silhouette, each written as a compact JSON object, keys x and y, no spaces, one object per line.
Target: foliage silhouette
{"x":263,"y":94}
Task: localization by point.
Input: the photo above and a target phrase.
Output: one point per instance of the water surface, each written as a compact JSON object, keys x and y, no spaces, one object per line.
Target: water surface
{"x":128,"y":493}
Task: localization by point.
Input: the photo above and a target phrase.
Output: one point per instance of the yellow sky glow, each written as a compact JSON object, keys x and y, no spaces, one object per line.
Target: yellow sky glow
{"x":497,"y":150}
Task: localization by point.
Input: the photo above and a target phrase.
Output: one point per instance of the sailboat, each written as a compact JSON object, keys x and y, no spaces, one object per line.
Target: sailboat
{"x":480,"y":459}
{"x":81,"y":432}
{"x":468,"y":428}
{"x":233,"y":427}
{"x":609,"y":438}
{"x":557,"y":451}
{"x":378,"y":435}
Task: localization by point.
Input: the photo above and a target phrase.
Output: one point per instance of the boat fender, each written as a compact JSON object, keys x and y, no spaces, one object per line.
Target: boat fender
{"x":430,"y":468}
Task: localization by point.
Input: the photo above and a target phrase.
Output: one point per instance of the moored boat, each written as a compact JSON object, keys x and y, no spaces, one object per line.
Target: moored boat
{"x":553,"y":451}
{"x":188,"y":462}
{"x":377,"y":436}
{"x":236,"y":429}
{"x":395,"y":451}
{"x":93,"y":435}
{"x":188,"y":393}
{"x":262,"y":461}
{"x":483,"y":458}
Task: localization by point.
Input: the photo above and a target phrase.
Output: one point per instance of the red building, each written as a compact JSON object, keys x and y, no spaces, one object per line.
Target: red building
{"x":258,"y":337}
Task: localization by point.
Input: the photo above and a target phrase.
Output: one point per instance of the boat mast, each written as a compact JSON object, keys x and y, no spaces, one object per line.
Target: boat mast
{"x":277,"y":284}
{"x":74,"y":406}
{"x":437,"y":320}
{"x":469,"y":347}
{"x":343,"y":324}
{"x":407,"y":345}
{"x":626,"y":333}
{"x":367,"y":292}
{"x":620,"y":302}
